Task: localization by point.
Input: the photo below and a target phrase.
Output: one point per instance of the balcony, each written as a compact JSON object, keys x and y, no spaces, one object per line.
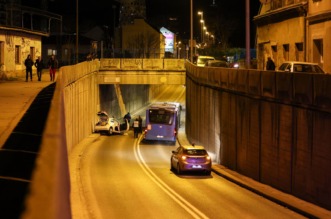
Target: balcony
{"x":26,"y":19}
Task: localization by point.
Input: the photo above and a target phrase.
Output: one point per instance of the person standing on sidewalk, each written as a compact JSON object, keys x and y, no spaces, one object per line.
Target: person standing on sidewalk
{"x":39,"y":65}
{"x":136,"y":128}
{"x":28,"y":65}
{"x":52,"y":65}
{"x":270,"y":65}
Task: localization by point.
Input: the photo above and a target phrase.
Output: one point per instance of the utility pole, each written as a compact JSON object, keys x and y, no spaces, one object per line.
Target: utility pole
{"x":191,"y":30}
{"x":248,"y":47}
{"x":77,"y":31}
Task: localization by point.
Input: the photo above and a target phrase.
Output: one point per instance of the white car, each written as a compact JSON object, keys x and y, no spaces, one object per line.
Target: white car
{"x":202,"y":60}
{"x":110,"y":125}
{"x":300,"y":67}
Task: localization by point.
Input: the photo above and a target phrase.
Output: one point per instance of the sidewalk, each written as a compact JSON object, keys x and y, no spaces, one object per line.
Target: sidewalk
{"x":15,"y":98}
{"x":289,"y":201}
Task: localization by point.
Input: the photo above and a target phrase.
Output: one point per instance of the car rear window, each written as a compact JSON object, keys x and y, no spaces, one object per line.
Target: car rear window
{"x":307,"y":68}
{"x":195,"y":152}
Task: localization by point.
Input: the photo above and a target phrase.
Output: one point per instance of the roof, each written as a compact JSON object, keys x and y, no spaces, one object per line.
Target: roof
{"x":297,"y":62}
{"x":190,"y":147}
{"x":169,"y":105}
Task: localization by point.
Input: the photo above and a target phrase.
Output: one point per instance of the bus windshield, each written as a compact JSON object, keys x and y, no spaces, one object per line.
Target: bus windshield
{"x":161,"y":116}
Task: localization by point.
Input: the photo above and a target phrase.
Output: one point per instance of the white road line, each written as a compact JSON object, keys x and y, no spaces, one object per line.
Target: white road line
{"x":175,"y":196}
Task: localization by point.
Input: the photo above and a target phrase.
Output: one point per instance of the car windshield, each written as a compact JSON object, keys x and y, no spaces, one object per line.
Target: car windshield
{"x":204,"y":60}
{"x":284,"y":67}
{"x":195,"y":152}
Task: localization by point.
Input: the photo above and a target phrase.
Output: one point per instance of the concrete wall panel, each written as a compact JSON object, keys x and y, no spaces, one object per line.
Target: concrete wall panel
{"x":322,"y":91}
{"x":284,"y":86}
{"x":268,"y":79}
{"x":276,"y":132}
{"x":302,"y":88}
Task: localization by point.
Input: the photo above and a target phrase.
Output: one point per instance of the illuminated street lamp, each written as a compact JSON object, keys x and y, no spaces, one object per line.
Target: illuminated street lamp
{"x":191,"y":29}
{"x":202,"y":24}
{"x":178,"y":46}
{"x":248,"y":55}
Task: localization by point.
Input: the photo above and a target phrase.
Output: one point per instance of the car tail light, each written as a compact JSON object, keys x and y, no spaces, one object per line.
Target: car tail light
{"x":208,"y":158}
{"x":183,"y":157}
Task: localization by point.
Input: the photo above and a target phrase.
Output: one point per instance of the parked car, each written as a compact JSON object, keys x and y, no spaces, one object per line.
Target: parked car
{"x":110,"y":125}
{"x":202,"y":60}
{"x":190,"y":158}
{"x":295,"y":67}
{"x":217,"y":63}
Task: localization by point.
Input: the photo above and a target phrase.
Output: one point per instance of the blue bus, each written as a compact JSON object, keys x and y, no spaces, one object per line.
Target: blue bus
{"x":162,"y":121}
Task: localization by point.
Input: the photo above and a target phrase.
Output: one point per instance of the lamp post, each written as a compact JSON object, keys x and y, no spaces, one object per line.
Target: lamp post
{"x":202,"y":24}
{"x":76,"y":31}
{"x":191,"y":30}
{"x":248,"y":54}
{"x":114,"y":33}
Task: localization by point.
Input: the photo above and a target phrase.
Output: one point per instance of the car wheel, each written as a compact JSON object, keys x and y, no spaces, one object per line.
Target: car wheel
{"x":179,"y":171}
{"x":171,"y":167}
{"x":208,"y":172}
{"x":110,"y":131}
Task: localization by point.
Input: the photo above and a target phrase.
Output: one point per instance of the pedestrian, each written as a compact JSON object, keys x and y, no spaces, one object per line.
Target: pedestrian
{"x":28,"y":65}
{"x":270,"y":65}
{"x":127,"y":117}
{"x":140,"y":124}
{"x":52,"y":65}
{"x":136,"y":128}
{"x":39,"y":65}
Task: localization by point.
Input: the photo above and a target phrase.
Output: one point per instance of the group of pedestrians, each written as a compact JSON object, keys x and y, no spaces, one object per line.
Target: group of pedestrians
{"x":52,"y":64}
{"x":137,"y":124}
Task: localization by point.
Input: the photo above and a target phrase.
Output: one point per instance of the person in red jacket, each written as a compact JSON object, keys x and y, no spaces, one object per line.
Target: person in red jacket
{"x":52,"y":65}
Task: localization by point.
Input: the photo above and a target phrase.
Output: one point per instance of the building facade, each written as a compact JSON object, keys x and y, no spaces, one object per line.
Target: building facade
{"x":21,"y":32}
{"x":141,"y":40}
{"x":294,"y":30}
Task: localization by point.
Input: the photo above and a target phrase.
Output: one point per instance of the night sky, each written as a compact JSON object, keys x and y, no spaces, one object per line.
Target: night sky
{"x":228,"y":12}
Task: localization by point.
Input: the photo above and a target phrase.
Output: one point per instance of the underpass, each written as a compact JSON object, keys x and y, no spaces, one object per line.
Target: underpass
{"x":74,"y":92}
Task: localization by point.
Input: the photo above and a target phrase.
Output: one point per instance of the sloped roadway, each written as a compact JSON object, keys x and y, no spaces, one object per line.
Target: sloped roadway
{"x":121,"y":177}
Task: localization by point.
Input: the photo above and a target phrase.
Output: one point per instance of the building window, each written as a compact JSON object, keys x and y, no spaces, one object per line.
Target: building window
{"x":299,"y":52}
{"x":51,"y":52}
{"x":286,"y":52}
{"x":318,"y":51}
{"x":17,"y":55}
{"x":274,"y":53}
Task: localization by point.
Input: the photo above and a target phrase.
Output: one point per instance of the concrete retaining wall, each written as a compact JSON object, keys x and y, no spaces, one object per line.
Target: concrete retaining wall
{"x":273,"y":127}
{"x":74,"y":104}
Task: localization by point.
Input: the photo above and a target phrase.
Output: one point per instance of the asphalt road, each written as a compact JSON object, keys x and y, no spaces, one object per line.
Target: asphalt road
{"x":120,"y":177}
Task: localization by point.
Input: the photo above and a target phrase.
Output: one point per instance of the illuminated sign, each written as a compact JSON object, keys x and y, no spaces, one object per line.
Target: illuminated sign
{"x":169,"y":39}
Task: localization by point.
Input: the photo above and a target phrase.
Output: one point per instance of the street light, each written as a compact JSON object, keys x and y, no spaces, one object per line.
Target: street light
{"x":77,"y":31}
{"x":178,"y":46}
{"x":248,"y":54}
{"x":191,"y":29}
{"x":202,"y":24}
